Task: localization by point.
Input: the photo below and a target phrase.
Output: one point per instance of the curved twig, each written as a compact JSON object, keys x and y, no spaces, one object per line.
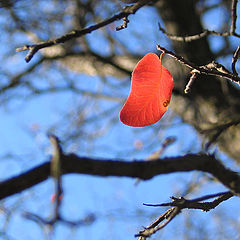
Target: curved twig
{"x":176,"y":207}
{"x":128,"y":10}
{"x":213,"y":68}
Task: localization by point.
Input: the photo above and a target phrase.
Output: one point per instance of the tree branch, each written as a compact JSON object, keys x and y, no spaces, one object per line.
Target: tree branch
{"x":234,"y":60}
{"x":165,"y":218}
{"x":234,"y":18}
{"x":217,"y":131}
{"x":176,"y":207}
{"x":128,"y":10}
{"x":213,"y":68}
{"x":206,"y":32}
{"x":135,"y":169}
{"x":197,"y":202}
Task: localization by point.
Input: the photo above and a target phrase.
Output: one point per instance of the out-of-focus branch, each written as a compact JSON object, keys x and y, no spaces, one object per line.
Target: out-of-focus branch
{"x":21,"y":79}
{"x":184,"y":38}
{"x":6,"y":3}
{"x":194,"y":37}
{"x":135,"y":169}
{"x":234,"y":18}
{"x":206,"y":32}
{"x":128,"y":10}
{"x":218,"y":130}
{"x":16,"y":80}
{"x":87,"y":220}
{"x":75,"y":90}
{"x":56,"y":173}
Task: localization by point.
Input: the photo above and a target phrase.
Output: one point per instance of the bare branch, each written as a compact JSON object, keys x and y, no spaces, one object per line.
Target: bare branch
{"x":134,"y":169}
{"x":56,"y":172}
{"x":213,"y":68}
{"x":197,"y":36}
{"x":190,"y":82}
{"x":128,"y":10}
{"x":234,"y":17}
{"x":234,"y":60}
{"x":197,"y":202}
{"x":167,"y":217}
{"x":206,"y":32}
{"x":176,"y":207}
{"x":183,"y":38}
{"x":89,"y":219}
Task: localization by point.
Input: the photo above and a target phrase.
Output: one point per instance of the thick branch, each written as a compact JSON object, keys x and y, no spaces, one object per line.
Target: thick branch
{"x":135,"y":169}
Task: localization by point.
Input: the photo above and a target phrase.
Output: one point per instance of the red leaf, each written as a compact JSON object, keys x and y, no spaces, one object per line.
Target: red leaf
{"x":151,"y":90}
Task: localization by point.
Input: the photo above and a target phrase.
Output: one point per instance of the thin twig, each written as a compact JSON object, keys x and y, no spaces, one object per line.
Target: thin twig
{"x":128,"y":10}
{"x":56,"y":172}
{"x":234,"y":17}
{"x":183,"y":38}
{"x":176,"y":207}
{"x":197,"y":36}
{"x":213,"y":68}
{"x":90,"y":218}
{"x":206,"y":32}
{"x":166,"y":217}
{"x":190,"y":82}
{"x":157,"y":154}
{"x":234,"y":60}
{"x":124,"y":25}
{"x":195,"y":203}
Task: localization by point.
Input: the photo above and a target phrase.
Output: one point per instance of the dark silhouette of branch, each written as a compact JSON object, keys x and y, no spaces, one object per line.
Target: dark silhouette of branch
{"x":177,"y":205}
{"x":128,"y":10}
{"x":56,"y":173}
{"x":213,"y":68}
{"x":135,"y":169}
{"x":234,"y":18}
{"x":234,"y":60}
{"x":197,"y":202}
